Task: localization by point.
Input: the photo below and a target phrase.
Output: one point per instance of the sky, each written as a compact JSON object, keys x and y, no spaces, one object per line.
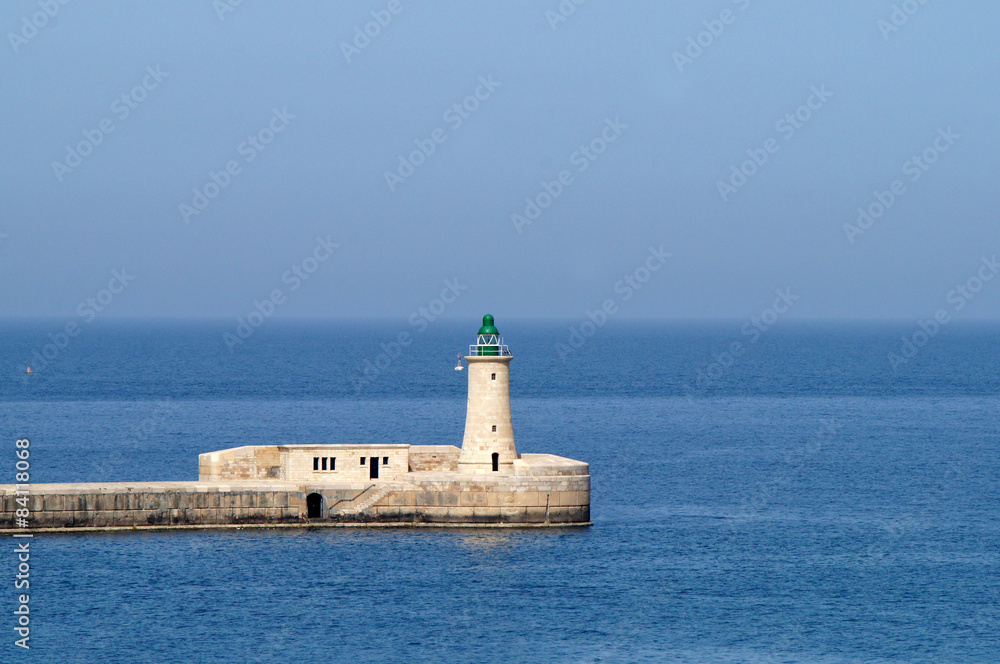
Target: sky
{"x":534,"y":159}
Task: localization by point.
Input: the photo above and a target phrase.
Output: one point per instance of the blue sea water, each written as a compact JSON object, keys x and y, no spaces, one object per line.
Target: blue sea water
{"x":807,"y":503}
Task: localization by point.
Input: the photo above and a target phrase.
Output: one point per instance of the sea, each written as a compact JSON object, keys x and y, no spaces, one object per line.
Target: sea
{"x":806,"y":492}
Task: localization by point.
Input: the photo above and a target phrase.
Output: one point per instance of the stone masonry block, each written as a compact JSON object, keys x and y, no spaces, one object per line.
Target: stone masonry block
{"x":476,"y":499}
{"x":450,"y":498}
{"x":501,"y":499}
{"x":401,"y":498}
{"x":513,"y":514}
{"x":534,"y":514}
{"x":435,"y":514}
{"x":526,"y":499}
{"x":486,"y":515}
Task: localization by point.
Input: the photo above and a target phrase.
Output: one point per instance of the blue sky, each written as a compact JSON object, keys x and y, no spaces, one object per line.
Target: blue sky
{"x":286,"y":125}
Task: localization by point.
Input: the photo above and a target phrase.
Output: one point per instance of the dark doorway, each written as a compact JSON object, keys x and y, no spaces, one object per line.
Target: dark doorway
{"x":314,"y":504}
{"x":496,"y":462}
{"x":373,"y":468}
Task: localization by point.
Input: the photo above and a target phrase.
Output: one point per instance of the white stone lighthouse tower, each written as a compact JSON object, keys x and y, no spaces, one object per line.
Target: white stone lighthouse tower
{"x":488,"y":445}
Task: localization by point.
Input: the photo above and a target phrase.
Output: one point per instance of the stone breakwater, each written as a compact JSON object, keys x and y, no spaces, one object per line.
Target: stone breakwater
{"x":387,"y":483}
{"x":443,"y":500}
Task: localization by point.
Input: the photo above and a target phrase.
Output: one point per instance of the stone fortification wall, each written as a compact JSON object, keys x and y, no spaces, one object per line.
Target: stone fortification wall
{"x":434,"y":458}
{"x":241,"y":463}
{"x":442,"y":500}
{"x":484,"y":500}
{"x":147,"y":504}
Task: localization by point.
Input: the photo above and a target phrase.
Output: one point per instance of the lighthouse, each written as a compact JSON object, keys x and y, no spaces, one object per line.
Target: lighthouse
{"x":488,"y":445}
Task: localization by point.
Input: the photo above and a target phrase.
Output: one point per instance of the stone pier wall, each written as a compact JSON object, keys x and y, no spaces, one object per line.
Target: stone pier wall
{"x":161,"y":504}
{"x":441,"y":500}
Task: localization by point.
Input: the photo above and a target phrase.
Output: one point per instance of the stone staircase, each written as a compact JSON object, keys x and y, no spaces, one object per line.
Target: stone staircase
{"x":365,"y":500}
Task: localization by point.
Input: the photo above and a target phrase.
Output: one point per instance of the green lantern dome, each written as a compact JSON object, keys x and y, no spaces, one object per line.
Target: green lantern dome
{"x":488,"y":327}
{"x":488,"y":338}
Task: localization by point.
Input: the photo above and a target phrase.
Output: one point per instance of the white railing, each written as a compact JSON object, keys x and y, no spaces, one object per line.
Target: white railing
{"x":474,"y":350}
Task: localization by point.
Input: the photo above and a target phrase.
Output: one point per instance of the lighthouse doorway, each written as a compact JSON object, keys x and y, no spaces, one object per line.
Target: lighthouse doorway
{"x":314,"y":505}
{"x":373,"y":468}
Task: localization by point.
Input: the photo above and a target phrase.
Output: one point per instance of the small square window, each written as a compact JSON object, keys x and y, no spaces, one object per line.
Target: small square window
{"x":385,"y":461}
{"x":494,"y":428}
{"x":315,"y":463}
{"x":362,"y":461}
{"x":333,"y":463}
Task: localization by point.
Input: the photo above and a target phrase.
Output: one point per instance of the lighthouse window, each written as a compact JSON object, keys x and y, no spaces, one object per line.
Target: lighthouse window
{"x":494,"y":428}
{"x":362,"y":461}
{"x":315,"y":463}
{"x":494,"y":376}
{"x":324,"y":463}
{"x":385,"y":461}
{"x":333,"y":463}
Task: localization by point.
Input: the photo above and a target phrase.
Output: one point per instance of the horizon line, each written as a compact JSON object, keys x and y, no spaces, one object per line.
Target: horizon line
{"x":458,"y":319}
